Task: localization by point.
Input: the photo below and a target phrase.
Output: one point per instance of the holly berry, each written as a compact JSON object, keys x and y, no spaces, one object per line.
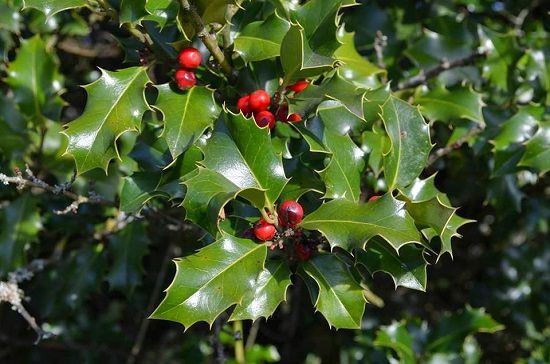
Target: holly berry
{"x":259,"y":100}
{"x":264,"y":118}
{"x":299,"y":86}
{"x":294,"y":118}
{"x":185,"y":79}
{"x":303,"y":252}
{"x":189,"y":58}
{"x":264,"y":231}
{"x":372,"y":198}
{"x":290,"y":213}
{"x":244,"y":105}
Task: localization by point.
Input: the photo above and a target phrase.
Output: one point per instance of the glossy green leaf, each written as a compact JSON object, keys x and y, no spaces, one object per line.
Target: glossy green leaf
{"x":453,"y":329}
{"x":537,"y":150}
{"x":422,"y":190}
{"x":449,"y":104}
{"x":374,"y":144}
{"x":373,"y":101}
{"x":262,"y":39}
{"x":237,"y":161}
{"x":186,"y":116}
{"x":115,"y":105}
{"x":132,"y":11}
{"x":342,"y":175}
{"x":397,"y":337}
{"x":212,"y":280}
{"x":51,"y":7}
{"x":410,"y":143}
{"x":338,"y":118}
{"x":139,"y":188}
{"x":10,"y":17}
{"x":407,"y":268}
{"x":298,"y":59}
{"x":19,"y":226}
{"x":350,"y":225}
{"x":14,"y":138}
{"x":35,"y":80}
{"x":501,"y":49}
{"x":339,"y":296}
{"x":303,"y":180}
{"x":161,"y":11}
{"x":128,"y":247}
{"x":269,"y":290}
{"x":355,"y":68}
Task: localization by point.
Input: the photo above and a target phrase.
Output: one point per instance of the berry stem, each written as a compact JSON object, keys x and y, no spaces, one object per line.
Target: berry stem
{"x":208,"y":39}
{"x":269,"y":217}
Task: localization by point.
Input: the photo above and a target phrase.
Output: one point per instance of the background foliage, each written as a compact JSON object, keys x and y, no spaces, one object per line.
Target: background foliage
{"x":91,"y":250}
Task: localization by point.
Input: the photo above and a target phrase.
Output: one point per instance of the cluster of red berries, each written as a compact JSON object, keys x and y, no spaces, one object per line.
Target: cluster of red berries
{"x":189,"y":58}
{"x":290,"y":214}
{"x":257,"y":103}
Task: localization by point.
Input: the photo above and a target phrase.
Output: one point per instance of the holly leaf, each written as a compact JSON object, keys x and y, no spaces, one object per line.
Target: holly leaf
{"x":14,"y":138}
{"x":19,"y":225}
{"x":350,"y":225}
{"x":137,"y":189}
{"x":355,"y":68}
{"x":212,"y":280}
{"x":450,"y":332}
{"x":374,"y":143}
{"x":115,"y":105}
{"x":35,"y":80}
{"x":128,"y":247}
{"x":52,"y":7}
{"x":397,"y":338}
{"x":261,"y":39}
{"x":338,"y":118}
{"x":449,"y":104}
{"x":406,"y":268}
{"x":373,"y":101}
{"x":410,"y":142}
{"x":298,"y":59}
{"x":268,"y":292}
{"x":537,"y":150}
{"x":186,"y":115}
{"x":132,"y":11}
{"x":338,"y":296}
{"x":519,"y":128}
{"x":239,"y":160}
{"x":342,"y":175}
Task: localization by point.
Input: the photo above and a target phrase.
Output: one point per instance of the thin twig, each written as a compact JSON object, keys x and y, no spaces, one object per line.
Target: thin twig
{"x":380,"y":43}
{"x":252,"y":334}
{"x":142,"y":332}
{"x":72,"y":46}
{"x":434,"y":72}
{"x":448,"y":149}
{"x":208,"y":39}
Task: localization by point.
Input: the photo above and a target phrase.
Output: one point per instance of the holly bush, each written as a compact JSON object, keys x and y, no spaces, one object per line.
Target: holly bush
{"x":280,"y":153}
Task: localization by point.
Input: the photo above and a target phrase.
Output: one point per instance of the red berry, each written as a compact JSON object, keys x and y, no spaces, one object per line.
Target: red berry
{"x":185,"y":79}
{"x":259,"y":100}
{"x":303,"y":252}
{"x":189,"y":58}
{"x":264,"y":230}
{"x":264,"y":118}
{"x":290,"y":213}
{"x":372,"y":198}
{"x":294,"y":118}
{"x":244,"y":105}
{"x":298,"y":86}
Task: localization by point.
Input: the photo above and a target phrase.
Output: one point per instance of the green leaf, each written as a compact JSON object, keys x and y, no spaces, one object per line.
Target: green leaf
{"x":268,"y":292}
{"x":261,"y":39}
{"x":19,"y":225}
{"x":10,"y":17}
{"x":51,"y":7}
{"x":237,"y":161}
{"x":373,"y":101}
{"x":350,"y":225}
{"x":397,"y":338}
{"x":127,"y":247}
{"x":303,"y":180}
{"x":374,"y":144}
{"x":342,"y":175}
{"x":14,"y":138}
{"x":339,"y":296}
{"x":137,"y":189}
{"x":355,"y":68}
{"x":410,"y":143}
{"x":451,"y":331}
{"x":132,"y":11}
{"x":186,"y":116}
{"x":450,"y":104}
{"x":212,"y":280}
{"x":502,"y":51}
{"x":115,"y":105}
{"x":406,"y":268}
{"x":35,"y":80}
{"x":299,"y":60}
{"x":422,"y":190}
{"x":537,"y":150}
{"x":338,"y":118}
{"x":162,"y":11}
